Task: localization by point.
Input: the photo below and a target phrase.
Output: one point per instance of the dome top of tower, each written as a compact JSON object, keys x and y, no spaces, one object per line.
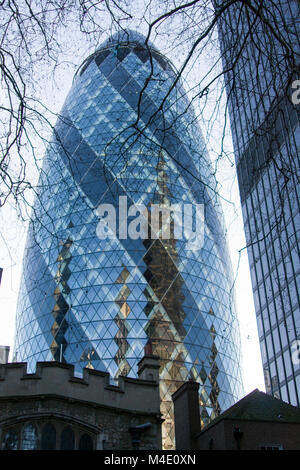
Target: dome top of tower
{"x":128,"y":39}
{"x":125,"y":37}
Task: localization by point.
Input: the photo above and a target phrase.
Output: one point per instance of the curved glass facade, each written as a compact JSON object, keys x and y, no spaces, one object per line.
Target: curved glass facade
{"x":96,"y":302}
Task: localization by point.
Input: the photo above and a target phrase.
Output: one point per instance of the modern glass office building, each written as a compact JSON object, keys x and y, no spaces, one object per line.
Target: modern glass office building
{"x":96,"y":302}
{"x":264,"y":47}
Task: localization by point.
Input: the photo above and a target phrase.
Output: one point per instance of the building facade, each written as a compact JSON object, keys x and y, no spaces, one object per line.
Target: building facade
{"x":95,"y":301}
{"x":260,"y":48}
{"x":51,"y":409}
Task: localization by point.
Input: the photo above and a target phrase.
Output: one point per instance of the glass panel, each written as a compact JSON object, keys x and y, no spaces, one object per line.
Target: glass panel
{"x":10,"y":441}
{"x":29,"y":437}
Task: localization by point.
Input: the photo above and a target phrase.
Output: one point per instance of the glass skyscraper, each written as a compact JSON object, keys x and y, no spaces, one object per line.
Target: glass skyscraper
{"x":261,"y":55}
{"x":96,"y":302}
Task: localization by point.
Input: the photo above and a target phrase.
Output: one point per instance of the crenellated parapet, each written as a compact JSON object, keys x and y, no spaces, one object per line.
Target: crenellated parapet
{"x":58,"y":379}
{"x":61,"y":411}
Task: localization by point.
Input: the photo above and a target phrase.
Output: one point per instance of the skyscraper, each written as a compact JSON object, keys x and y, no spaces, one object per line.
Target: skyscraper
{"x":96,"y":301}
{"x":260,"y":50}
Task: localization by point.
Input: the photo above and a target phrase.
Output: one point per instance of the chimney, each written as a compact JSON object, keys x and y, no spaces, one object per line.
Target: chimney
{"x":148,"y":367}
{"x":186,"y":415}
{"x":4,"y":352}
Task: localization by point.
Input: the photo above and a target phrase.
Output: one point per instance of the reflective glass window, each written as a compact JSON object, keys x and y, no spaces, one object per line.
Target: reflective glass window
{"x":29,"y":437}
{"x":10,"y":440}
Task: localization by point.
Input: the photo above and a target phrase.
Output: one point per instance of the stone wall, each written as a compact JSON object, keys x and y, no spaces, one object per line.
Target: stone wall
{"x":91,"y":405}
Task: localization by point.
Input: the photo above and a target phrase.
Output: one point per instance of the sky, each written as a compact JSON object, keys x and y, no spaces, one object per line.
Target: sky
{"x":13,"y":229}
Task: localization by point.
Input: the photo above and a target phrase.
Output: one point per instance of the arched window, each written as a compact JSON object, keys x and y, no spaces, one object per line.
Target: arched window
{"x":85,"y":442}
{"x":29,"y":437}
{"x":48,"y":437}
{"x":67,"y":439}
{"x":10,"y":441}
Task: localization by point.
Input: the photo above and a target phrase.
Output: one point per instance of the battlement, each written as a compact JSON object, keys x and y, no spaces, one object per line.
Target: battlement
{"x":58,"y":379}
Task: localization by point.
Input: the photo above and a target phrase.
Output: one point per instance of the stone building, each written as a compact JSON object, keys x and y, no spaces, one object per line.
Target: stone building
{"x":53,"y":409}
{"x":257,"y":422}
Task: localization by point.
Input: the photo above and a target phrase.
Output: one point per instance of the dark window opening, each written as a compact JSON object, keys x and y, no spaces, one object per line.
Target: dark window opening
{"x":48,"y":437}
{"x":67,"y":439}
{"x":85,"y":442}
